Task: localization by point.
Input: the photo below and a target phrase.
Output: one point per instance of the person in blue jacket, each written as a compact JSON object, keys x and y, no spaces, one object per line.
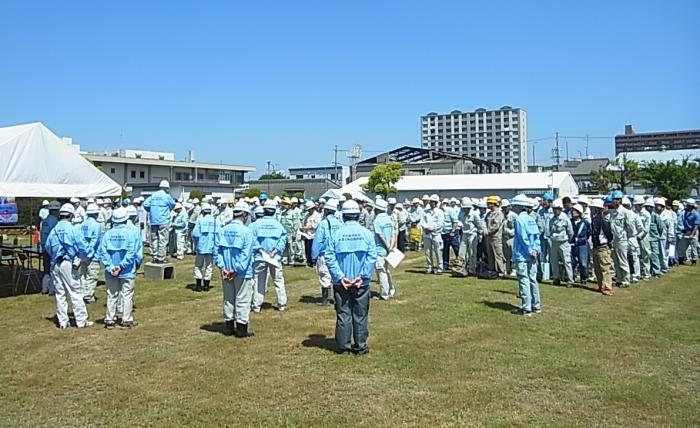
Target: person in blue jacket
{"x":326,"y":229}
{"x":65,"y":245}
{"x":120,"y":257}
{"x":526,"y":248}
{"x":47,"y":225}
{"x":351,"y":257}
{"x":158,"y":207}
{"x":385,"y":237}
{"x":179,"y":224}
{"x":90,"y":268}
{"x":579,"y":243}
{"x":234,"y":257}
{"x":203,"y":237}
{"x":269,"y":237}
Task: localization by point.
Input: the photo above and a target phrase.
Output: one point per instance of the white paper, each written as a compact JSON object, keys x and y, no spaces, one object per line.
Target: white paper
{"x":306,"y":236}
{"x":270,"y":261}
{"x":394,"y":258}
{"x":672,"y":250}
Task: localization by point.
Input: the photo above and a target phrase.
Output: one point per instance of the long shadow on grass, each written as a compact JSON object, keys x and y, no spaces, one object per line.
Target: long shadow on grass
{"x":215,"y":327}
{"x":503,"y":306}
{"x":320,"y":341}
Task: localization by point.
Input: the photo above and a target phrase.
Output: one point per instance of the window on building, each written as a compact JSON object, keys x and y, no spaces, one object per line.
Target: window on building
{"x":200,"y":176}
{"x":142,"y":174}
{"x":112,"y":170}
{"x":133,"y":174}
{"x":178,"y":176}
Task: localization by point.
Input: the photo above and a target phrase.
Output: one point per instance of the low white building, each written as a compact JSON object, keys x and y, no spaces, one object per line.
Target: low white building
{"x":480,"y":185}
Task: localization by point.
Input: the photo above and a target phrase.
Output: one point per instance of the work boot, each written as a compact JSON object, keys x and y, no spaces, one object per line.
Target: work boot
{"x":230,"y":328}
{"x":242,"y":331}
{"x":198,"y":285}
{"x":324,"y":297}
{"x":206,"y":284}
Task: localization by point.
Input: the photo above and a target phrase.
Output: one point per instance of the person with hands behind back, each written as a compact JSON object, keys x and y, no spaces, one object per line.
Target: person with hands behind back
{"x":351,"y":256}
{"x":234,"y":257}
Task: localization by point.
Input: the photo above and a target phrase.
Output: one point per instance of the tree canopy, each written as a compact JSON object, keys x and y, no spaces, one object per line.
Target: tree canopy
{"x":382,"y":179}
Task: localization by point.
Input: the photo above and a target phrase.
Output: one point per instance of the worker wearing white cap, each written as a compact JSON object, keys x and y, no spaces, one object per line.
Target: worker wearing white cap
{"x":234,"y":257}
{"x":193,"y":213}
{"x":179,"y":227}
{"x":159,"y":206}
{"x":385,"y":237}
{"x":65,"y":244}
{"x":89,"y":268}
{"x":450,"y":233}
{"x":657,"y":230}
{"x":291,"y":221}
{"x":326,"y":229}
{"x":432,"y":225}
{"x":351,"y":257}
{"x":644,"y":254}
{"x":526,"y":245}
{"x":561,"y":233}
{"x":47,"y":225}
{"x":470,"y":222}
{"x":508,"y":235}
{"x":633,"y":245}
{"x":44,"y":211}
{"x":79,"y":215}
{"x":601,"y":240}
{"x":120,"y":256}
{"x":495,"y":222}
{"x":579,"y":243}
{"x":203,"y":235}
{"x":415,"y":215}
{"x":105,"y":217}
{"x":689,"y":226}
{"x":269,"y":242}
{"x":312,"y":219}
{"x":133,"y":217}
{"x":623,"y":228}
{"x":399,"y":217}
{"x":225,"y":215}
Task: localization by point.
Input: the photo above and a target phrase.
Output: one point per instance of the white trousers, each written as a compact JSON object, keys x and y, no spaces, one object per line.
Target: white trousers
{"x":203,"y":264}
{"x":119,"y":289}
{"x":238,"y":295}
{"x":63,"y":278}
{"x":262,"y":270}
{"x":433,"y":252}
{"x":386,"y":282}
{"x":324,"y":275}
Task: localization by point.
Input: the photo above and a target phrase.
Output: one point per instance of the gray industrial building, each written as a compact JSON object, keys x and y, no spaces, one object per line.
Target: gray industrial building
{"x":421,"y":161}
{"x":499,"y":136}
{"x":309,"y":187}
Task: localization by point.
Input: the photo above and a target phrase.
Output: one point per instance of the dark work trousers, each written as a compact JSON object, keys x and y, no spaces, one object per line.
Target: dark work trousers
{"x":352,"y":318}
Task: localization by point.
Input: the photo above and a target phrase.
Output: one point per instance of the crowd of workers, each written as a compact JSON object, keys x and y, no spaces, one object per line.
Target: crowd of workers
{"x":628,"y":238}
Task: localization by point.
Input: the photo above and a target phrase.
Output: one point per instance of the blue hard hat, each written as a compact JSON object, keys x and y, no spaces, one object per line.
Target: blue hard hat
{"x":263,"y":196}
{"x":126,"y":202}
{"x":617,"y":194}
{"x":548,"y":196}
{"x":608,"y":199}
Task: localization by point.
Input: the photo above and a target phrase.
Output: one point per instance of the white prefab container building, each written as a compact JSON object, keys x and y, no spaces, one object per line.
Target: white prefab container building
{"x":480,"y":185}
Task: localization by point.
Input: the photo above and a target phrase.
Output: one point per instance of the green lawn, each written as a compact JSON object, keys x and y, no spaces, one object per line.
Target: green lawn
{"x":446,"y":352}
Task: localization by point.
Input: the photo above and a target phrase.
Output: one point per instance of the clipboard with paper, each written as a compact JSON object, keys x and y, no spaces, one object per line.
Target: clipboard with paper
{"x":395,"y":257}
{"x":269,"y":260}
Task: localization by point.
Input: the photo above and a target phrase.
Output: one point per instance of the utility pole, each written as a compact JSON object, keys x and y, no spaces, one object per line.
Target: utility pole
{"x":556,"y":153}
{"x":566,"y":142}
{"x":586,"y":146}
{"x":335,"y":164}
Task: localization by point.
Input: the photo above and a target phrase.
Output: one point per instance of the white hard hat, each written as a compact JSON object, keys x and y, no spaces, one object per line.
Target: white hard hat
{"x":415,"y":201}
{"x":467,"y":203}
{"x":92,"y":209}
{"x":391,"y":201}
{"x":259,"y":211}
{"x":578,"y":208}
{"x":557,"y":204}
{"x":434,"y":198}
{"x":91,"y":200}
{"x":505,"y":203}
{"x":131,"y":211}
{"x":331,"y":205}
{"x":535,"y":202}
{"x":107,"y":201}
{"x":351,"y":207}
{"x":241,"y":207}
{"x":583,"y":199}
{"x":378,"y":197}
{"x":626,"y":201}
{"x":481,"y":203}
{"x":659,"y":201}
{"x":99,"y":202}
{"x":195,"y":200}
{"x":67,"y":209}
{"x":598,"y":203}
{"x":295,"y":200}
{"x":381,"y":205}
{"x":206,"y":207}
{"x":638,"y":200}
{"x":164,"y":184}
{"x":120,"y":215}
{"x":399,"y":206}
{"x":425,"y":198}
{"x":74,"y":200}
{"x":44,"y":203}
{"x":649,"y":202}
{"x":520,"y":200}
{"x":178,"y":206}
{"x":270,"y":204}
{"x":309,"y":204}
{"x":690,"y":202}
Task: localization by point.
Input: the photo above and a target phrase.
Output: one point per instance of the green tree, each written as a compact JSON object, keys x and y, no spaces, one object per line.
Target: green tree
{"x":299,"y":195}
{"x":276,"y":175}
{"x":382,"y":179}
{"x":196,"y":193}
{"x":670,"y":179}
{"x":616,"y":175}
{"x":253,"y":192}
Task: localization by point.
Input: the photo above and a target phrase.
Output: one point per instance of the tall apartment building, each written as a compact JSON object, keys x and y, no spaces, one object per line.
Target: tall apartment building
{"x":498,"y":136}
{"x":631,"y":141}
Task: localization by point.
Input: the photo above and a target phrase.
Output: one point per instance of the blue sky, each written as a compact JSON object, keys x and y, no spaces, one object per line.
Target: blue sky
{"x":251,"y":82}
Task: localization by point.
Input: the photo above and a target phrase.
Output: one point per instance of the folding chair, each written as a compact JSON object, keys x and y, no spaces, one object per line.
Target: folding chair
{"x":26,"y":274}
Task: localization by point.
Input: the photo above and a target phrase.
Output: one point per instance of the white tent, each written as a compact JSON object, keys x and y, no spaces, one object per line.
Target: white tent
{"x":357,"y":194}
{"x":479,"y":185}
{"x":34,"y":162}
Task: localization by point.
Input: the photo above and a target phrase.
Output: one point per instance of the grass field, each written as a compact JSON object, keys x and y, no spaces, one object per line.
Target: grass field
{"x":446,"y":352}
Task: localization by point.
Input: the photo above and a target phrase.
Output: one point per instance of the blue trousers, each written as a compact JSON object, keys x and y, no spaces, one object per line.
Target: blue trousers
{"x":527,"y":283}
{"x":579,"y":261}
{"x":449,"y":241}
{"x":352,"y":318}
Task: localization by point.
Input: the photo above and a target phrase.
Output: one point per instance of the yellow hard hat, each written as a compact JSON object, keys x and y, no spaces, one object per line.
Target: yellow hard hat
{"x":676,"y":203}
{"x":493,"y":200}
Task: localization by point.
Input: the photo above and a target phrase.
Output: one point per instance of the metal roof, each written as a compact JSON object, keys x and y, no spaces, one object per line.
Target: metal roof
{"x":661,"y":155}
{"x":156,"y":162}
{"x":407,"y":154}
